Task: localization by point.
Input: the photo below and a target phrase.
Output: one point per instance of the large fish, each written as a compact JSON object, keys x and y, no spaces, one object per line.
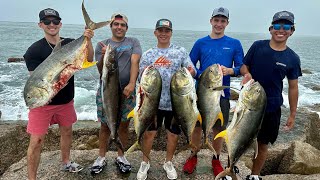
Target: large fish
{"x":111,"y":94}
{"x":148,"y":97}
{"x":209,"y":92}
{"x":245,"y":125}
{"x":184,"y":102}
{"x":54,"y":72}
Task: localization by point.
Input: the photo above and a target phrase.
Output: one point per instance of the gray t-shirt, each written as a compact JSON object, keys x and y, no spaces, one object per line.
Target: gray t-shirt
{"x":124,"y":50}
{"x":175,"y":57}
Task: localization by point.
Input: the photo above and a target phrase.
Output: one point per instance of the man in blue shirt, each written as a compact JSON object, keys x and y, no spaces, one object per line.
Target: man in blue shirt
{"x":269,"y":62}
{"x":216,"y":48}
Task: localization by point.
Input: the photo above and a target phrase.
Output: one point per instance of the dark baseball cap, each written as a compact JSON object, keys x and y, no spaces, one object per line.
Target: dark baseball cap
{"x":283,"y":15}
{"x":49,"y":13}
{"x":221,"y":11}
{"x":164,"y":23}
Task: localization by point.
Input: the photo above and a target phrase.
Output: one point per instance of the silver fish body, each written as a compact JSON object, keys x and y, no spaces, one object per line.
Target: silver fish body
{"x":245,"y":124}
{"x":110,"y":91}
{"x":54,"y":72}
{"x":209,"y":93}
{"x":184,"y":102}
{"x":148,"y":96}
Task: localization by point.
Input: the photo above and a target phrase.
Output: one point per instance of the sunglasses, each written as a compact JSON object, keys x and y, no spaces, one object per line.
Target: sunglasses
{"x":285,"y":27}
{"x":48,"y":21}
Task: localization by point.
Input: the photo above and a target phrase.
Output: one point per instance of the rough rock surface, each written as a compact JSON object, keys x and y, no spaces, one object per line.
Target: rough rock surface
{"x":313,"y":131}
{"x":300,"y":158}
{"x":50,"y":167}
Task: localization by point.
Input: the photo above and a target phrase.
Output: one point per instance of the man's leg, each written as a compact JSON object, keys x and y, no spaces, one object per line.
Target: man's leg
{"x":261,"y":158}
{"x":171,"y":145}
{"x":196,"y":137}
{"x":65,"y":143}
{"x":33,"y":155}
{"x":148,"y":138}
{"x":123,"y":135}
{"x":104,"y":134}
{"x":217,"y":144}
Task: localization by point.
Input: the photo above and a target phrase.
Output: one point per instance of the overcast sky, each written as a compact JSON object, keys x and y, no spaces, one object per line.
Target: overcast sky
{"x":245,"y":15}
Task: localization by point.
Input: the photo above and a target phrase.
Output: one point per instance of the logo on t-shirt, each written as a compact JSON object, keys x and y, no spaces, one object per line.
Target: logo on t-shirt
{"x":162,"y":62}
{"x":281,"y":64}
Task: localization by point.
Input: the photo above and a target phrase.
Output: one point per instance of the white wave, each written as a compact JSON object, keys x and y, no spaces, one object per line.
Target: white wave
{"x":5,"y":78}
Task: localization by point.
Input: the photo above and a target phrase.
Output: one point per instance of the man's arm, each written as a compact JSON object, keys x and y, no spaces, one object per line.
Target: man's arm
{"x":89,"y":34}
{"x":134,"y":72}
{"x":293,"y":93}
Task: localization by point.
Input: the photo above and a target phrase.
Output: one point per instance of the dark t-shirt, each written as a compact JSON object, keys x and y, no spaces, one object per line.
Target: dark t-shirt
{"x":35,"y":55}
{"x":270,"y":67}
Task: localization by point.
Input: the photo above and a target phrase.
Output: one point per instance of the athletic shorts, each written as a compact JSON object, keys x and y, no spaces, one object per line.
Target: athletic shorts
{"x":126,"y":106}
{"x":42,"y":117}
{"x":270,"y":127}
{"x":225,"y":109}
{"x":167,"y":117}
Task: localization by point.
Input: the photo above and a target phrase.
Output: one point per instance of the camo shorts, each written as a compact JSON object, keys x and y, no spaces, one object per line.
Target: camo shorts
{"x":126,"y":106}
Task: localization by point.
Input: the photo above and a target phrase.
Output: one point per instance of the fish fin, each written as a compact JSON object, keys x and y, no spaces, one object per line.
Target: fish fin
{"x":220,"y":116}
{"x":135,"y":146}
{"x":221,"y":175}
{"x":131,"y":114}
{"x":208,"y":145}
{"x":89,"y":23}
{"x":57,"y":47}
{"x":118,"y":143}
{"x":199,"y":118}
{"x":255,"y":147}
{"x":222,"y":134}
{"x":87,"y":64}
{"x":221,"y":88}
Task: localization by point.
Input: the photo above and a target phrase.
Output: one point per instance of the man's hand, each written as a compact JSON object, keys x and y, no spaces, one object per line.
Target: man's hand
{"x":191,"y":70}
{"x":246,"y":78}
{"x":226,"y":71}
{"x":103,"y":48}
{"x":129,"y":89}
{"x":88,"y":33}
{"x":290,"y":124}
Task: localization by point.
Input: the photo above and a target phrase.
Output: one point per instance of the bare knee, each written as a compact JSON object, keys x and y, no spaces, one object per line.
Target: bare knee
{"x":149,"y":135}
{"x":36,"y":142}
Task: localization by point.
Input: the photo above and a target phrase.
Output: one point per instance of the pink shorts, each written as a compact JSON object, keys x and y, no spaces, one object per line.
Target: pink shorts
{"x":42,"y":117}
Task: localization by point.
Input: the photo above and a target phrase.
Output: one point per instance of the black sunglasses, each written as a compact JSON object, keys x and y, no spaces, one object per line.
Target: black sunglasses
{"x":48,"y":21}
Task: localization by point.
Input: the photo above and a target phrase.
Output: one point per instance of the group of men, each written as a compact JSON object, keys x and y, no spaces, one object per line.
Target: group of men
{"x":267,"y":61}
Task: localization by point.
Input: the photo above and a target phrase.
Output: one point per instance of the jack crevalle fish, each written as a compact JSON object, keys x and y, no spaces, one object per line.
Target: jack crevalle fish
{"x":184,"y":102}
{"x":147,"y":103}
{"x":54,"y":72}
{"x":209,"y":92}
{"x":245,"y":125}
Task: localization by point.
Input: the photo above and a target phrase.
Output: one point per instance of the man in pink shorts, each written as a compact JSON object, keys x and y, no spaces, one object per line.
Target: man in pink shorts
{"x":61,"y":109}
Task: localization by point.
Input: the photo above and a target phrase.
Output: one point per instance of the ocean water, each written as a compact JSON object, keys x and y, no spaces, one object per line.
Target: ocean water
{"x":15,"y":38}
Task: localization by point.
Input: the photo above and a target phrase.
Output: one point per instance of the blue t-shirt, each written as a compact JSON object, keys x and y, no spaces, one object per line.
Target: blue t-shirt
{"x":225,"y":51}
{"x":269,"y":67}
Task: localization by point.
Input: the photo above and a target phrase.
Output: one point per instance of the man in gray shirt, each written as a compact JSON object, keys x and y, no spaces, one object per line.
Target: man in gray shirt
{"x":128,"y":53}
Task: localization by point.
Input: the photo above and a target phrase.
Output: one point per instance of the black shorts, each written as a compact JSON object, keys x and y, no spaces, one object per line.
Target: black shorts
{"x":270,"y":127}
{"x":167,"y":117}
{"x":225,"y":109}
